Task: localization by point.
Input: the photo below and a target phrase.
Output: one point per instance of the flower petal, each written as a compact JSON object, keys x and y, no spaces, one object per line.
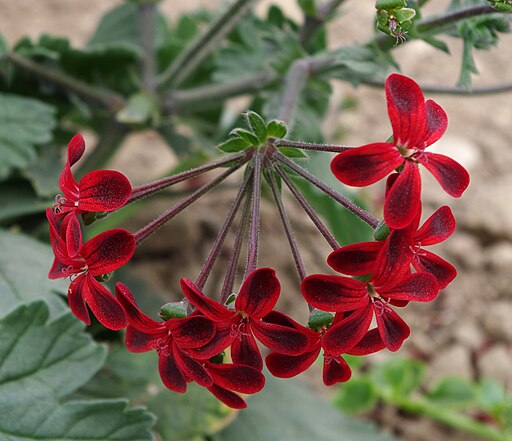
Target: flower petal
{"x":191,"y":368}
{"x":170,"y":373}
{"x":191,"y":332}
{"x":403,"y":199}
{"x":417,"y":287}
{"x":239,"y":378}
{"x":73,"y":235}
{"x":334,"y":293}
{"x":244,"y":350}
{"x":210,"y":308}
{"x":438,"y":227}
{"x":222,"y":339}
{"x":437,"y":121}
{"x":282,"y":339}
{"x":103,"y":190}
{"x":229,"y":398}
{"x":76,"y":299}
{"x":450,"y":174}
{"x":362,"y":166}
{"x":356,"y":259}
{"x":336,"y":370}
{"x":76,"y":149}
{"x":443,"y":271}
{"x":370,"y":343}
{"x":108,"y":251}
{"x":259,"y":293}
{"x":346,"y":333}
{"x":287,"y":366}
{"x":394,"y":259}
{"x":104,"y":305}
{"x":406,"y":109}
{"x":140,"y":341}
{"x":393,"y":330}
{"x":69,"y":187}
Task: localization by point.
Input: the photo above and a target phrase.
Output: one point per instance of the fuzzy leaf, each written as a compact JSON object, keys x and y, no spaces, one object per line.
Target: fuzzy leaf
{"x":452,"y":392}
{"x":250,"y":137}
{"x":18,"y":199}
{"x":292,"y":152}
{"x":357,"y":395}
{"x":257,"y":124}
{"x":234,"y":145}
{"x":276,"y":129}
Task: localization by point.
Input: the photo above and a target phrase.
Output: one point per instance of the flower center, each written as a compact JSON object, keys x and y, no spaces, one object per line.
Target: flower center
{"x":61,"y":203}
{"x":238,"y":329}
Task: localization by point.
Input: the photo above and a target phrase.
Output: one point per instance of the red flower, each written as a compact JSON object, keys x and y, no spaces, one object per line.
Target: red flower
{"x":239,"y":327}
{"x":407,"y":245}
{"x":97,"y":191}
{"x":173,"y":340}
{"x":101,"y":255}
{"x":388,"y":285}
{"x":335,"y":370}
{"x":416,"y":125}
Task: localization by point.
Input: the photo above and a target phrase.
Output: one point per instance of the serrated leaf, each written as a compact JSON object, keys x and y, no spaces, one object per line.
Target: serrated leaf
{"x":292,"y":152}
{"x":276,"y":129}
{"x":18,"y":199}
{"x":250,"y":137}
{"x":287,"y":410}
{"x":24,"y":123}
{"x":257,"y":125}
{"x":42,"y":362}
{"x":233,"y":145}
{"x":24,"y":273}
{"x":356,"y":396}
{"x":452,"y":392}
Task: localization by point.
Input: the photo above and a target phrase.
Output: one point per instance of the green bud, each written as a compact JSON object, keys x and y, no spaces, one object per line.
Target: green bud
{"x":103,"y":278}
{"x":276,"y":129}
{"x":319,"y":319}
{"x":382,"y":231}
{"x":501,"y":5}
{"x":405,"y":14}
{"x":173,"y":310}
{"x":231,"y":299}
{"x":219,"y":358}
{"x":390,"y":4}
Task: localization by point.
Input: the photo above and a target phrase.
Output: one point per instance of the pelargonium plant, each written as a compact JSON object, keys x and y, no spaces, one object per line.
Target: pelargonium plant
{"x":211,"y":338}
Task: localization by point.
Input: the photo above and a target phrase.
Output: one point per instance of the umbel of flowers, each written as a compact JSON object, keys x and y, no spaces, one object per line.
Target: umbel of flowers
{"x":354,"y":311}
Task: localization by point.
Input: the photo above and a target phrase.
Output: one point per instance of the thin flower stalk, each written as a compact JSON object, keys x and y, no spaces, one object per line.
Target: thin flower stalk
{"x":254,"y":229}
{"x":311,"y":146}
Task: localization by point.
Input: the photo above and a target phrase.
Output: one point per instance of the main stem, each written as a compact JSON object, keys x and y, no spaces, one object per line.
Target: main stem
{"x":253,"y":242}
{"x":347,"y":203}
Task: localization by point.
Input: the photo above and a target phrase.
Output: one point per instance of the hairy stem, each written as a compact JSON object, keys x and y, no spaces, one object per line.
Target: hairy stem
{"x":431,"y":23}
{"x":254,"y":228}
{"x":313,"y":23}
{"x":311,"y":146}
{"x":294,"y":85}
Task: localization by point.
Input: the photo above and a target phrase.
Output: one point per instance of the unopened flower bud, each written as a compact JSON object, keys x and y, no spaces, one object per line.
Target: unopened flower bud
{"x":219,"y":358}
{"x":173,"y":310}
{"x":382,"y":231}
{"x":319,"y":319}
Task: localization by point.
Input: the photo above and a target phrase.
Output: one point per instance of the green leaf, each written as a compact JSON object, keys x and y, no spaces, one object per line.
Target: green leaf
{"x":44,"y":173}
{"x":250,"y":137}
{"x":438,"y":44}
{"x":452,"y":392}
{"x":41,"y":363}
{"x":4,"y":47}
{"x":398,"y":377}
{"x":24,"y":123}
{"x":18,"y":199}
{"x":356,"y":396}
{"x":308,"y":7}
{"x":292,"y":152}
{"x":257,"y":125}
{"x":138,"y":110}
{"x":233,"y":145}
{"x":24,"y":273}
{"x":276,"y":129}
{"x":286,"y":410}
{"x":490,"y":394}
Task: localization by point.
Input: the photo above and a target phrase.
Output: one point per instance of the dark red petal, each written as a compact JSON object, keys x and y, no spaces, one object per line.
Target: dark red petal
{"x":191,"y":368}
{"x":76,"y":149}
{"x":336,"y":370}
{"x":239,"y":378}
{"x":170,"y":373}
{"x":56,"y":240}
{"x":57,"y":271}
{"x":356,"y":259}
{"x":136,"y":317}
{"x":140,"y":341}
{"x":367,"y":164}
{"x":279,"y":318}
{"x":259,"y":293}
{"x":68,"y":185}
{"x":229,"y":398}
{"x":406,"y":109}
{"x":346,"y":333}
{"x":104,"y":305}
{"x":280,"y":338}
{"x":191,"y":332}
{"x":428,"y":262}
{"x":210,"y":308}
{"x":450,"y":174}
{"x":73,"y":235}
{"x":418,"y":287}
{"x":76,"y":299}
{"x":393,"y":330}
{"x":437,"y":121}
{"x":370,"y":343}
{"x":244,"y":350}
{"x":438,"y":227}
{"x":334,"y":293}
{"x":108,"y":251}
{"x":287,"y":366}
{"x":403,"y":199}
{"x":103,"y":190}
{"x":223,"y":338}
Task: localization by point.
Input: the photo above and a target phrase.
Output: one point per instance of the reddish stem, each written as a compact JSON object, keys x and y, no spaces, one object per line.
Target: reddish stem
{"x":252,"y":246}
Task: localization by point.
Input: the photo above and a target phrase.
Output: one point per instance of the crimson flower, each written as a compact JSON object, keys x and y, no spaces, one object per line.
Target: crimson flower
{"x":386,"y":287}
{"x":335,"y":368}
{"x":239,"y":327}
{"x":101,"y":255}
{"x":173,"y":340}
{"x":407,"y":244}
{"x":97,"y":191}
{"x":416,"y":125}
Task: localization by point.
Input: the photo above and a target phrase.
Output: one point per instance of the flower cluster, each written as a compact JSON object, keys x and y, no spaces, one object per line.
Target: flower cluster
{"x":353,"y":312}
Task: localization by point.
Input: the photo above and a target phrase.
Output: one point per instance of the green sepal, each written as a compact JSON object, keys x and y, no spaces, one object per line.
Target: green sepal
{"x":501,"y":5}
{"x":382,"y":19}
{"x":292,"y":152}
{"x":218,"y":359}
{"x":404,"y":14}
{"x":90,"y":218}
{"x":276,"y":129}
{"x":172,"y":310}
{"x":390,"y":4}
{"x":319,"y":319}
{"x":103,"y":278}
{"x":230,"y":299}
{"x":257,"y":125}
{"x":250,"y":137}
{"x":364,"y":278}
{"x":382,"y":231}
{"x":233,"y":145}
